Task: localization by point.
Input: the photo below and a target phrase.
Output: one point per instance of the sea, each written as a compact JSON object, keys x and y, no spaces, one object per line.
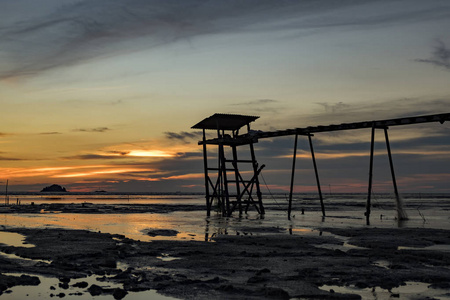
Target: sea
{"x":424,"y":210}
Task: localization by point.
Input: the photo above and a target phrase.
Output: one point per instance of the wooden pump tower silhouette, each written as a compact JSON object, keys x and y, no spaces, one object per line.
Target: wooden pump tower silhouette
{"x":225,"y":184}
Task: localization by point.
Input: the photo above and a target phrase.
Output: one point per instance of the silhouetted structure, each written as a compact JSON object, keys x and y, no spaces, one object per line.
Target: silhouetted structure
{"x":222,"y":123}
{"x":217,"y":182}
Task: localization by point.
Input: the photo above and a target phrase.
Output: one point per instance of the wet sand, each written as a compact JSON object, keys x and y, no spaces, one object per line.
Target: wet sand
{"x":253,"y":263}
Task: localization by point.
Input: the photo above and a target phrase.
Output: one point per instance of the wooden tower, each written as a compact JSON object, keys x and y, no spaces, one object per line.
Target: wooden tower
{"x":224,"y":183}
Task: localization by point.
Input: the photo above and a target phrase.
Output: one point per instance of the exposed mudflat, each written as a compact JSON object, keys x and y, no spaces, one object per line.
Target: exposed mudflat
{"x":270,"y":265}
{"x":90,"y":208}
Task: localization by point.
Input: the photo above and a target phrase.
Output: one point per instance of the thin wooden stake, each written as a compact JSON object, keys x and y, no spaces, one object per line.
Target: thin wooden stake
{"x":401,"y":215}
{"x":292,"y":177}
{"x":370,"y":175}
{"x":317,"y":174}
{"x":205,"y":166}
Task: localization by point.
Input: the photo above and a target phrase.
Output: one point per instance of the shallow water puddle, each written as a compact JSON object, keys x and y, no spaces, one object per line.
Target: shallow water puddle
{"x":49,"y":288}
{"x":13,"y":256}
{"x":14,"y":239}
{"x":441,"y":248}
{"x":167,"y":257}
{"x":17,"y":240}
{"x":382,"y":264}
{"x":344,"y":247}
{"x":411,"y":290}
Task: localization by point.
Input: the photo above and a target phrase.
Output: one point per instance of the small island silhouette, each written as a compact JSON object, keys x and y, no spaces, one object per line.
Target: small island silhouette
{"x":54,"y":188}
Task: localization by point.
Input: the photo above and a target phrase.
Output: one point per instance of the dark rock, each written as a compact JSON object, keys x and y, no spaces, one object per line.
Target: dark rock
{"x":29,"y":280}
{"x":95,"y":290}
{"x":256,"y":279}
{"x":81,"y":284}
{"x":162,"y":232}
{"x":63,"y":285}
{"x":276,"y":293}
{"x":265,"y":270}
{"x":214,"y":280}
{"x":226,"y":288}
{"x":119,"y":293}
{"x":361,"y":285}
{"x":162,"y":278}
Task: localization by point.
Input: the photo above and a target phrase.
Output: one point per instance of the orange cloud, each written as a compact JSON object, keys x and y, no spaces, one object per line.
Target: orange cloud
{"x":336,"y":155}
{"x":185,"y":176}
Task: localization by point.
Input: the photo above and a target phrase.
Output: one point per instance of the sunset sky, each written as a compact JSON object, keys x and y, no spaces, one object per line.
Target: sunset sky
{"x":101,"y":95}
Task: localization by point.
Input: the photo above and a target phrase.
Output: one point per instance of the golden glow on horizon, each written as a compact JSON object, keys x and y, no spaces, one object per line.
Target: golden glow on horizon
{"x":149,"y":153}
{"x":55,"y":172}
{"x":185,"y":176}
{"x":113,"y":171}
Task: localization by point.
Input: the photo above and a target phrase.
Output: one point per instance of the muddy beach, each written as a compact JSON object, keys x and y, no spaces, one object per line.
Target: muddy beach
{"x":248,"y":263}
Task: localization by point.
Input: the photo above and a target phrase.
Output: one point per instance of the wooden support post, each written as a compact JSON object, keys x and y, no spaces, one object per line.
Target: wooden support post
{"x":400,"y":214}
{"x":388,"y":147}
{"x":292,"y":177}
{"x":370,"y":175}
{"x":205,"y":166}
{"x":236,"y":175}
{"x":256,"y":174}
{"x":225,"y":195}
{"x":317,"y":174}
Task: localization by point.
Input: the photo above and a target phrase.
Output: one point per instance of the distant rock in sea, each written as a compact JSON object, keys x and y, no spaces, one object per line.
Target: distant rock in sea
{"x":54,"y":188}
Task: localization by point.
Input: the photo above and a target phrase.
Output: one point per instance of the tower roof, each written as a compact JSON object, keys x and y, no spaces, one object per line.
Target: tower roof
{"x":224,"y":122}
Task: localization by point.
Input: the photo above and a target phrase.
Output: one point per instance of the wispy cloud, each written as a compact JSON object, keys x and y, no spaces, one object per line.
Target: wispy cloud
{"x":50,"y":133}
{"x":333,"y":107}
{"x":257,"y":102}
{"x":440,"y":56}
{"x":67,"y":34}
{"x":183,"y":136}
{"x":336,"y":113}
{"x":97,"y":129}
{"x":9,"y":158}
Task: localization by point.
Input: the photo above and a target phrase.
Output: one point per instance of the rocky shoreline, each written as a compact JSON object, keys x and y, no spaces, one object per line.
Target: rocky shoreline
{"x":241,"y":266}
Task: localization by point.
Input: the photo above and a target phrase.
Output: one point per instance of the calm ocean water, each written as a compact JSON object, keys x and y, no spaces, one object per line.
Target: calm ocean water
{"x":342,"y":210}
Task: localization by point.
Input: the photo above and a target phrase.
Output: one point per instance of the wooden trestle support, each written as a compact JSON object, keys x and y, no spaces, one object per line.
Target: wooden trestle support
{"x":245,"y":190}
{"x":225,"y":184}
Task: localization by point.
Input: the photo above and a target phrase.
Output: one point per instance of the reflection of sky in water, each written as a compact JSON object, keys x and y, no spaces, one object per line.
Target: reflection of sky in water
{"x":194,"y":225}
{"x":412,"y":290}
{"x":14,"y":239}
{"x":341,"y":211}
{"x":43,"y":291}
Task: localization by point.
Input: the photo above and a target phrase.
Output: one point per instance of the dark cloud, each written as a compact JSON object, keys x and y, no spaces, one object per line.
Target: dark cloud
{"x":371,"y":110}
{"x":9,"y":158}
{"x":440,"y":56}
{"x":95,"y":156}
{"x":50,"y":133}
{"x":68,"y":34}
{"x":119,"y":152}
{"x":257,"y":102}
{"x":258,"y":107}
{"x":183,"y":135}
{"x":333,"y":107}
{"x":97,"y":129}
